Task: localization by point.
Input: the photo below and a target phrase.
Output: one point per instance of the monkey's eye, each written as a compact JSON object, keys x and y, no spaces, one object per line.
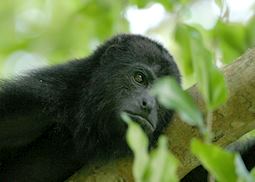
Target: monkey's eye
{"x":139,"y":78}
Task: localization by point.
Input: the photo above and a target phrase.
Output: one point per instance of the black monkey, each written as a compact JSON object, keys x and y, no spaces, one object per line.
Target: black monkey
{"x":55,"y":119}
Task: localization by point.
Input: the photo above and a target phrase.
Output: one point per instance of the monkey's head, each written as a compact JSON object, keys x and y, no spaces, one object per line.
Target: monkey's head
{"x":125,"y":69}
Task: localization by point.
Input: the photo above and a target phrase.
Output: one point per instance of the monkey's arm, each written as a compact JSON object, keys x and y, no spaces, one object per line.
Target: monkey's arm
{"x":22,"y":117}
{"x":33,"y":102}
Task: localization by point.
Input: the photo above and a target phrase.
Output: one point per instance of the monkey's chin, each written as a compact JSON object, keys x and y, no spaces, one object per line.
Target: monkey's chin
{"x":143,"y":122}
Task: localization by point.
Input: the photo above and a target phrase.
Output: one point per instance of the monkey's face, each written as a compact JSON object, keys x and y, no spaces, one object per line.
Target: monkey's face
{"x":127,"y":89}
{"x":137,"y":101}
{"x":124,"y":71}
{"x":125,"y":75}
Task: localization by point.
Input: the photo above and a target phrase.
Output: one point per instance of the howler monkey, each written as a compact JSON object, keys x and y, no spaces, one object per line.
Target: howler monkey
{"x":55,"y":119}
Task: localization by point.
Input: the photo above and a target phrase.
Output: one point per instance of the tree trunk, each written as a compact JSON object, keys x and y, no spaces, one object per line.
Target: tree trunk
{"x":230,"y":122}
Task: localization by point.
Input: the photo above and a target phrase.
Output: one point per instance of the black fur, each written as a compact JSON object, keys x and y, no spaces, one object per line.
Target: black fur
{"x":56,"y":119}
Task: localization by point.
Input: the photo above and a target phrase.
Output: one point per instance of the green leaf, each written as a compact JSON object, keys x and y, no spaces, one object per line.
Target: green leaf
{"x":217,"y":161}
{"x":170,"y":95}
{"x":182,"y":36}
{"x":138,"y":142}
{"x":210,"y":80}
{"x":160,"y":165}
{"x":197,"y":60}
{"x":163,"y":165}
{"x":231,"y":39}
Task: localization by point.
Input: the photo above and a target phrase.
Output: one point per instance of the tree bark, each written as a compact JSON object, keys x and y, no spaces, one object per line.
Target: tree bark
{"x":230,"y":122}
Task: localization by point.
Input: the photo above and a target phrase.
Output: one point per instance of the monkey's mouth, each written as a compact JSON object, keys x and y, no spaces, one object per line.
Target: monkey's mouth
{"x":142,"y":121}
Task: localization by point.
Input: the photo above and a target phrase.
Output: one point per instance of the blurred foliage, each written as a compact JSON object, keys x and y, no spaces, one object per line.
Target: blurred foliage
{"x":212,"y":157}
{"x":170,"y":95}
{"x":58,"y":29}
{"x":232,"y":39}
{"x":197,"y":60}
{"x":157,"y":165}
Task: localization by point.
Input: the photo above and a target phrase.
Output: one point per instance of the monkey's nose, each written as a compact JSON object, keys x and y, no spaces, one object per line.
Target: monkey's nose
{"x":147,"y":103}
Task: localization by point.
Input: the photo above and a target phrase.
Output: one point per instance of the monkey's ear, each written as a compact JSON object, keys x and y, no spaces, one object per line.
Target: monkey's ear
{"x":112,"y":51}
